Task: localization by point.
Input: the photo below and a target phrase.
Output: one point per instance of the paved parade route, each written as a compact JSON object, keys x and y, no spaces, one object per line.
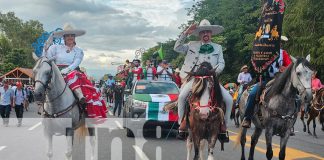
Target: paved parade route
{"x":28,"y":143}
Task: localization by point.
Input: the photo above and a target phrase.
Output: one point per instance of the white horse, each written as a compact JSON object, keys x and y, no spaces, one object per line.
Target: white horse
{"x":61,"y":112}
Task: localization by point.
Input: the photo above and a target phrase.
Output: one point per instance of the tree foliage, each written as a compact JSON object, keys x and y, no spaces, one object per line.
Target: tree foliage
{"x":16,"y":38}
{"x":303,"y":25}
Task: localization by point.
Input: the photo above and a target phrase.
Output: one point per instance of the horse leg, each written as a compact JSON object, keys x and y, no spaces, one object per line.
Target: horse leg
{"x":237,"y":116}
{"x":302,"y":119}
{"x":268,"y":136}
{"x":314,"y":127}
{"x":196,"y":143}
{"x":189,"y":147}
{"x":201,"y":149}
{"x":69,"y":139}
{"x":50,"y":146}
{"x":211,"y":146}
{"x":308,"y":122}
{"x":243,"y":141}
{"x":68,"y":154}
{"x":92,"y":142}
{"x":254,"y":141}
{"x":283,"y":143}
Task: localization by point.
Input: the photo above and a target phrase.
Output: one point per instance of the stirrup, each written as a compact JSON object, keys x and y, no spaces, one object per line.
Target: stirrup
{"x":223,"y":137}
{"x":246,"y":123}
{"x":182,"y":135}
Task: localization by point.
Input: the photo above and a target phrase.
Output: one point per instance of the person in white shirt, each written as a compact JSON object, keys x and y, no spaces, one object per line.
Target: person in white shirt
{"x":19,"y":98}
{"x":6,"y":101}
{"x":68,"y":58}
{"x":244,"y":78}
{"x":164,"y":72}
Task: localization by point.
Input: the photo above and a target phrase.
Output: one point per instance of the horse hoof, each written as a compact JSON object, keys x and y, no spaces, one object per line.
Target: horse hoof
{"x":304,"y":129}
{"x":323,"y":129}
{"x":310,"y":133}
{"x":210,"y":157}
{"x":315,"y":136}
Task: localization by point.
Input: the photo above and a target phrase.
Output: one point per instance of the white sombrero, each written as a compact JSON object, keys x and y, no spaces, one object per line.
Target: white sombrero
{"x":68,"y":29}
{"x":205,"y":25}
{"x":284,"y":38}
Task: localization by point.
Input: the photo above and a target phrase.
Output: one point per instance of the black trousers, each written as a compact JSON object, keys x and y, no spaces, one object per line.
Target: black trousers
{"x":5,"y":113}
{"x":118,"y":104}
{"x":19,"y":109}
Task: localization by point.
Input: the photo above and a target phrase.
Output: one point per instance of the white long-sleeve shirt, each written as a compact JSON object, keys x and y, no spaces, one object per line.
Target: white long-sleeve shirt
{"x":72,"y":59}
{"x":244,"y":77}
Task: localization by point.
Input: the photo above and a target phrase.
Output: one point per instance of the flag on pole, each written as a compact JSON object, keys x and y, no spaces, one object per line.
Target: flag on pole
{"x":266,"y":45}
{"x":161,"y":54}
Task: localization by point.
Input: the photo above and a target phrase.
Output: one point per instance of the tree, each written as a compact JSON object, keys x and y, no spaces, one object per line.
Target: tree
{"x":16,"y":38}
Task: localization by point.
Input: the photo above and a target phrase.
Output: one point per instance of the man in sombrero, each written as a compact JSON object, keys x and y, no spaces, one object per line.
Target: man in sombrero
{"x":196,"y":53}
{"x":68,"y":57}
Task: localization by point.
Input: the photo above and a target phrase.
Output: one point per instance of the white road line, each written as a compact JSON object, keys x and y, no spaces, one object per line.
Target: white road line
{"x":119,"y":125}
{"x":140,"y":153}
{"x":35,"y":126}
{"x":2,"y":147}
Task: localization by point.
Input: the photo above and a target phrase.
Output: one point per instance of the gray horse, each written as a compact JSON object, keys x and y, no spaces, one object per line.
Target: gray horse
{"x":61,"y":113}
{"x":278,"y":112}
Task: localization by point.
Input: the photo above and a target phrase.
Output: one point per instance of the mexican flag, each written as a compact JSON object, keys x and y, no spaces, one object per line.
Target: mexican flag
{"x":155,"y":104}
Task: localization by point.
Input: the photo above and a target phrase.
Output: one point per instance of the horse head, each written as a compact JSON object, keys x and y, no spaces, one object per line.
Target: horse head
{"x":200,"y":90}
{"x":42,"y":73}
{"x":301,"y":78}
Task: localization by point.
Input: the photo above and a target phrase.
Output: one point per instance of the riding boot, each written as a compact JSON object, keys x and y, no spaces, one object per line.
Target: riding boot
{"x":79,"y":95}
{"x":182,"y":131}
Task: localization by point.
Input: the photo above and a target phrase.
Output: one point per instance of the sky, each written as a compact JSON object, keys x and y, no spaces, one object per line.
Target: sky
{"x":115,"y":29}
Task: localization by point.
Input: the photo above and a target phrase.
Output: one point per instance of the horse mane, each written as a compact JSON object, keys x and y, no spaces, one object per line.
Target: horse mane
{"x":281,"y":80}
{"x":200,"y":84}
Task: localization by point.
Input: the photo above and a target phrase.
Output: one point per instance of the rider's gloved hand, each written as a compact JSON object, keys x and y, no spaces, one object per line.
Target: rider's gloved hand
{"x":65,"y":70}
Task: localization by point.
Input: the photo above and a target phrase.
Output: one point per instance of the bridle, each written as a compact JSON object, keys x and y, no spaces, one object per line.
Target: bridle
{"x":46,"y":84}
{"x":300,"y":82}
{"x":46,"y":87}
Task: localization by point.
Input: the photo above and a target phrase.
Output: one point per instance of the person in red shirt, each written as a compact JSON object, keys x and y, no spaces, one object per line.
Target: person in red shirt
{"x":137,"y":70}
{"x":176,"y":77}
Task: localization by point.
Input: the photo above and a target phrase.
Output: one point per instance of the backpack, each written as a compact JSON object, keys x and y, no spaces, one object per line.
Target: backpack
{"x":22,"y":93}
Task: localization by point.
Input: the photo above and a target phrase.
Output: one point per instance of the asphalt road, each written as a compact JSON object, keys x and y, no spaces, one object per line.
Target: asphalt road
{"x":28,"y":143}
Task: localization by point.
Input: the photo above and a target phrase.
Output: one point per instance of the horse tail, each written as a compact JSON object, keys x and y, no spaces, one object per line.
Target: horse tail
{"x":82,"y":131}
{"x":238,"y":138}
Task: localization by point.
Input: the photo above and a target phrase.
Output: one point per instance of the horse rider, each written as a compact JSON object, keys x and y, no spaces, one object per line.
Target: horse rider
{"x":149,"y":71}
{"x":198,"y":52}
{"x":68,"y":57}
{"x":277,"y":66}
{"x":244,"y":78}
{"x":110,"y":83}
{"x":316,"y":85}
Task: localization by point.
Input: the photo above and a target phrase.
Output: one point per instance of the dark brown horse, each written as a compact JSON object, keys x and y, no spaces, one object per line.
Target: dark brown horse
{"x":205,"y":117}
{"x":316,"y":110}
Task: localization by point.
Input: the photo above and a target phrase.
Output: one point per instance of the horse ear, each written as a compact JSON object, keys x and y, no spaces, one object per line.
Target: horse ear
{"x":293,"y":59}
{"x":212,"y":71}
{"x":190,"y":73}
{"x":35,"y":56}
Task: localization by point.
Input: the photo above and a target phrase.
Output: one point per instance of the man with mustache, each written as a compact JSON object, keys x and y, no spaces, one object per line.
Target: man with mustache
{"x":196,"y":53}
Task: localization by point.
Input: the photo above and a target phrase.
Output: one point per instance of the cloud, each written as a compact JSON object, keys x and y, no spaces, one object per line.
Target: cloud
{"x":115,"y":28}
